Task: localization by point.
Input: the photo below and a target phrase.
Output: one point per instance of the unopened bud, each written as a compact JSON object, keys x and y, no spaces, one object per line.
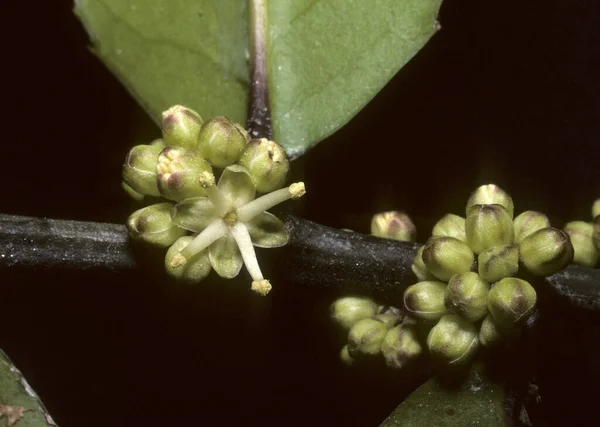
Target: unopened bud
{"x":159,"y":143}
{"x":447,"y":256}
{"x":528,"y":223}
{"x":393,"y":225}
{"x":498,"y":262}
{"x":194,"y":270}
{"x":491,"y":194}
{"x":450,"y":226}
{"x":138,"y":197}
{"x":453,"y":340}
{"x":349,"y":310}
{"x":243,"y":131}
{"x":153,"y":225}
{"x":466,"y":296}
{"x":546,"y":251}
{"x":179,"y":171}
{"x":139,"y":169}
{"x":180,"y":127}
{"x":596,"y":208}
{"x":221,"y":142}
{"x":418,"y":267}
{"x":584,"y":251}
{"x":345,"y":356}
{"x":365,"y":337}
{"x":391,"y":316}
{"x":267,"y":163}
{"x":488,"y":226}
{"x":511,"y":301}
{"x":490,"y":333}
{"x":425,"y":300}
{"x":401,"y":346}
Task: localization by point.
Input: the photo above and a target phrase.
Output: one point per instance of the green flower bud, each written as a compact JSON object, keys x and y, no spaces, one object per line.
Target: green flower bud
{"x":596,"y":208}
{"x":581,"y":234}
{"x":528,"y":223}
{"x":153,"y":225}
{"x":466,"y":296}
{"x":546,"y":251}
{"x":453,"y":341}
{"x":511,"y":301}
{"x":349,"y":310}
{"x":179,"y":171}
{"x":498,"y":262}
{"x":242,"y":131}
{"x":390,"y":316}
{"x":425,"y":300}
{"x":450,"y":226}
{"x":596,"y":235}
{"x":419,"y":269}
{"x":139,"y":169}
{"x":401,"y":346}
{"x":447,"y":256}
{"x":393,"y":225}
{"x":180,"y":127}
{"x":221,"y":142}
{"x":488,"y":226}
{"x":490,"y":333}
{"x":345,"y":356}
{"x":365,"y":337}
{"x":159,"y":142}
{"x":138,"y":197}
{"x":195,"y":269}
{"x":267,"y":162}
{"x":491,"y":194}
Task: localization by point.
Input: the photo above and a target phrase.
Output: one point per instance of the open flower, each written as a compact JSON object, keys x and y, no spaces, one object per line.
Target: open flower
{"x":230,"y":222}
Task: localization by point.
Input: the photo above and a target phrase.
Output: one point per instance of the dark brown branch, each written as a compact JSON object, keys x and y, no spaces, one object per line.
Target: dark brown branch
{"x":316,"y":256}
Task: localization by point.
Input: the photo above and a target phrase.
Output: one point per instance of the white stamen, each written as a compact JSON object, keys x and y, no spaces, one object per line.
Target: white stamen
{"x":220,"y":202}
{"x":214,"y":231}
{"x":263,"y":203}
{"x":242,"y":238}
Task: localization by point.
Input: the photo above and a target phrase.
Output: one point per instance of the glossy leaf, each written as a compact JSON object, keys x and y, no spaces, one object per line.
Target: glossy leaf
{"x":325,"y":59}
{"x":478,"y":401}
{"x":167,"y":52}
{"x":329,"y":58}
{"x":20,"y":406}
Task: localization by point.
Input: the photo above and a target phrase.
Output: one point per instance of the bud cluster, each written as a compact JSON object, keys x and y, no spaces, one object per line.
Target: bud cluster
{"x":469,"y":293}
{"x":585,"y":237}
{"x":205,"y":175}
{"x":375,"y":330}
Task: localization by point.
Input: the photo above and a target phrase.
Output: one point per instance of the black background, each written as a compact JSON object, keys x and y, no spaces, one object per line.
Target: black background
{"x":507,"y":92}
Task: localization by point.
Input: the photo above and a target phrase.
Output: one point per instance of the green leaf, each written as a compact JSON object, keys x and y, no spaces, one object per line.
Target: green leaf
{"x":325,"y":59}
{"x":328,"y":59}
{"x":19,"y":404}
{"x":477,"y":402}
{"x":167,"y":52}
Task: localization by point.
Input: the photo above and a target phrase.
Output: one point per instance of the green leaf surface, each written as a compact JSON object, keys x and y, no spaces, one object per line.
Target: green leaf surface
{"x":19,"y":405}
{"x":325,"y":58}
{"x":329,"y":58}
{"x":477,"y":402}
{"x":167,"y":52}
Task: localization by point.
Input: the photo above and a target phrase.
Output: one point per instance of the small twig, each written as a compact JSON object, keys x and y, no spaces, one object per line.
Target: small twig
{"x":316,"y":256}
{"x":259,"y":112}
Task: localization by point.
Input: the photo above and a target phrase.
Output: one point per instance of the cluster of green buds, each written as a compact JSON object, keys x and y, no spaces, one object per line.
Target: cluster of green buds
{"x":376,"y":330}
{"x":206,"y":176}
{"x":469,"y":292}
{"x":585,"y":237}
